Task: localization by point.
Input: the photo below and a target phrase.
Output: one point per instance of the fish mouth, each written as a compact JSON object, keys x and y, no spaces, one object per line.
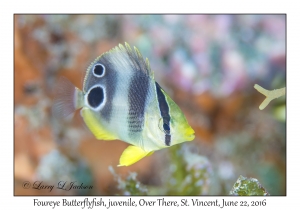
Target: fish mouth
{"x":189,"y":134}
{"x":190,"y":137}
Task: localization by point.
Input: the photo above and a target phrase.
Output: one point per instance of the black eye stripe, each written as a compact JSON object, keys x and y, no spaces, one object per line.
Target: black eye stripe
{"x":95,"y":97}
{"x":99,"y":70}
{"x":164,"y":112}
{"x":166,"y":127}
{"x":167,"y":139}
{"x":163,"y":105}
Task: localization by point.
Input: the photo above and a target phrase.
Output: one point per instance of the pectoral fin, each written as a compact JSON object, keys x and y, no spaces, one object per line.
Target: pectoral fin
{"x":132,"y":154}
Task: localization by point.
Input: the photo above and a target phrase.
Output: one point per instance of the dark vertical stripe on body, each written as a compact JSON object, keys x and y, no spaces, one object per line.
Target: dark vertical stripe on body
{"x":110,"y":81}
{"x":137,"y":97}
{"x":164,"y":112}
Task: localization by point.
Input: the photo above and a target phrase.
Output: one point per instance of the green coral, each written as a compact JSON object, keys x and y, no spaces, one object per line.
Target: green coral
{"x":190,"y":172}
{"x":129,"y":186}
{"x":248,"y":186}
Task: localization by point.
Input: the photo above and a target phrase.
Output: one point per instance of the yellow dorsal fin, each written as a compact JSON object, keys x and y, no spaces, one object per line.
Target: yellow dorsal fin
{"x":132,"y":154}
{"x":95,"y":127}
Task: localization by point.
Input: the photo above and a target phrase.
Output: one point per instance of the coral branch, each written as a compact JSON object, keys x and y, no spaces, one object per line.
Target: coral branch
{"x":270,"y":95}
{"x":248,"y":186}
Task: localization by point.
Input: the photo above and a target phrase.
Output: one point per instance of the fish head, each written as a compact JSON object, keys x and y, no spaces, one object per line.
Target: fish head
{"x":180,"y":130}
{"x":174,"y":128}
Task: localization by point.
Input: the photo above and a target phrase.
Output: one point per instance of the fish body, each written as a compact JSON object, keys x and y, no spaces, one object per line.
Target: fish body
{"x":121,"y":100}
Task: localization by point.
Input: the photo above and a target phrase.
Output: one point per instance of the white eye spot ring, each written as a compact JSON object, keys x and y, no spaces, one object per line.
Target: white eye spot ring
{"x":101,"y":103}
{"x":99,"y":70}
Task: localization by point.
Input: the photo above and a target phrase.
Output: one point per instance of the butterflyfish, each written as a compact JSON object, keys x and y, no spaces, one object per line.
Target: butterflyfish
{"x":120,"y":99}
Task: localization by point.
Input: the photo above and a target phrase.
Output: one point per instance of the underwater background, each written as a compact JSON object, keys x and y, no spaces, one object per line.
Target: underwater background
{"x":208,"y":64}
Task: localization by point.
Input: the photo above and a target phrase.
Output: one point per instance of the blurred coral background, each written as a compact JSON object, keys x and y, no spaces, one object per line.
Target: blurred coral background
{"x":208,"y":64}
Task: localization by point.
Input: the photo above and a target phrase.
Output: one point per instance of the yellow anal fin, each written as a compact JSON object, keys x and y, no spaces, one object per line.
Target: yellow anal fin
{"x":132,"y":154}
{"x":95,"y":127}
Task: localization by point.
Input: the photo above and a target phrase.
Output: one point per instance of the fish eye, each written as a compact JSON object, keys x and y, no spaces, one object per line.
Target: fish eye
{"x":99,"y":70}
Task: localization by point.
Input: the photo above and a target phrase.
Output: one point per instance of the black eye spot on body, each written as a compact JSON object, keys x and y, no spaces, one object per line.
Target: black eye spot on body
{"x":99,"y":70}
{"x":96,"y":97}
